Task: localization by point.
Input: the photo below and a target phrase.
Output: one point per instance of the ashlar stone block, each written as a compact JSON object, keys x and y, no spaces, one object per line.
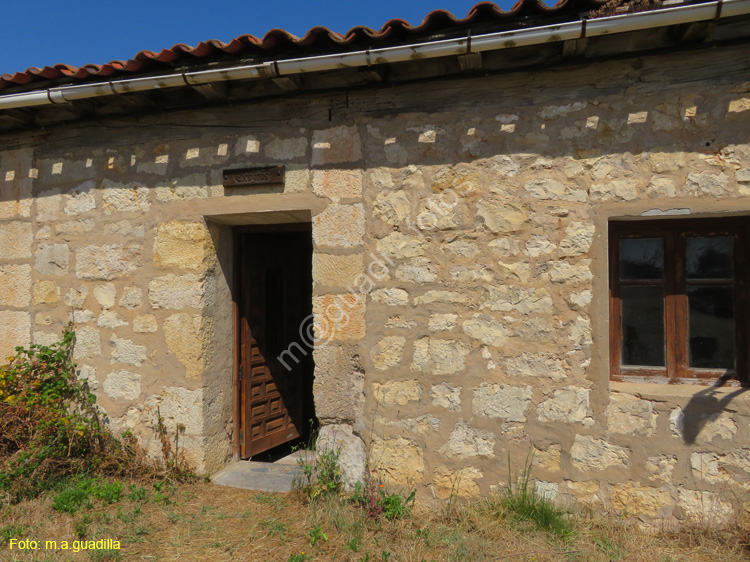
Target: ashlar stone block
{"x":15,"y":285}
{"x":15,"y":240}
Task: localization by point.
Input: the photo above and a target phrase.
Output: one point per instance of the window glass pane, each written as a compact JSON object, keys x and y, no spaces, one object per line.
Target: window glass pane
{"x":710,"y":257}
{"x":642,"y":325}
{"x":641,"y":258}
{"x":711,"y":326}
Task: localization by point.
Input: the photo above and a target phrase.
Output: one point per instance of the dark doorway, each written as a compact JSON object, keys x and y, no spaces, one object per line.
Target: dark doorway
{"x":274,"y":309}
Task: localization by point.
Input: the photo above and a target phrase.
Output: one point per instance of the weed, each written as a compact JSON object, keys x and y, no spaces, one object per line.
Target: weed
{"x":137,"y":493}
{"x":74,"y":498}
{"x":12,"y":531}
{"x":354,"y":543}
{"x":316,"y":534}
{"x":275,"y":526}
{"x":81,"y":526}
{"x":613,"y":550}
{"x":521,"y":502}
{"x":269,"y":499}
{"x":377,"y":501}
{"x":108,"y":493}
{"x":385,"y":555}
{"x":299,"y":557}
{"x":322,"y":477}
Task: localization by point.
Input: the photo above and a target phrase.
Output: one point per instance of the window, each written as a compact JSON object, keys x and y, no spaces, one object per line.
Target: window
{"x":678,"y":300}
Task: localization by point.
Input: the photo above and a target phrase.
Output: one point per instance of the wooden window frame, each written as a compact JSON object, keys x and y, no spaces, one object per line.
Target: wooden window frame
{"x":676,"y":322}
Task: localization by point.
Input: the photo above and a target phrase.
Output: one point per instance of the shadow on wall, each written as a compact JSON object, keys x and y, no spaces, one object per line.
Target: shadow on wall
{"x":703,"y":407}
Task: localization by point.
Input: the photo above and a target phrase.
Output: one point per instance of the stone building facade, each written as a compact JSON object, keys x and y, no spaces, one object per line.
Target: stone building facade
{"x":460,"y":271}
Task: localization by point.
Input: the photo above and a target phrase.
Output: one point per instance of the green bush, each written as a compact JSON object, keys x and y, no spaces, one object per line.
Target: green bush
{"x":51,"y":429}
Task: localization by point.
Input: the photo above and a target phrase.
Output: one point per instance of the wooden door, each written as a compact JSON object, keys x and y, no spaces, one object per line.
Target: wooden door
{"x":274,"y":299}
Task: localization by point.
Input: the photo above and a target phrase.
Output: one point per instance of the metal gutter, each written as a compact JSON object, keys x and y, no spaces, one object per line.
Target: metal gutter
{"x":682,"y":14}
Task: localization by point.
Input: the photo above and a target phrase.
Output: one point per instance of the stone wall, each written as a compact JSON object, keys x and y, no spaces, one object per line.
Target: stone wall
{"x":460,"y":271}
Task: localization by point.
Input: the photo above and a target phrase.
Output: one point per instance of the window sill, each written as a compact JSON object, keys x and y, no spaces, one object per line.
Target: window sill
{"x":679,"y":393}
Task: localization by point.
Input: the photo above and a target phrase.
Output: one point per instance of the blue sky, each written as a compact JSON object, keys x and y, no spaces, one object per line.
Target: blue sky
{"x":76,"y":32}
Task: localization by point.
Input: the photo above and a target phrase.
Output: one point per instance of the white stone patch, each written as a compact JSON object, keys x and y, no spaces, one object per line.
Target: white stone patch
{"x":82,"y":316}
{"x":75,"y":298}
{"x":181,"y":291}
{"x":192,"y":153}
{"x":387,"y":353}
{"x":442,"y":322}
{"x":144,"y":324}
{"x":661,"y":467}
{"x":439,"y":356}
{"x":589,"y":454}
{"x":109,"y":319}
{"x":390,"y":297}
{"x":555,"y":111}
{"x":133,"y":159}
{"x":505,"y":402}
{"x":33,"y":173}
{"x":131,"y":298}
{"x":535,"y":365}
{"x":716,"y":185}
{"x":579,"y":301}
{"x":705,"y":508}
{"x":569,"y":405}
{"x":546,"y":490}
{"x":352,"y":458}
{"x":565,"y":272}
{"x":89,"y":162}
{"x":105,"y":295}
{"x":466,"y":442}
{"x":578,"y":239}
{"x":10,"y":176}
{"x":446,"y":396}
{"x":122,"y":385}
{"x":580,"y":333}
{"x":704,"y":428}
{"x":125,"y":351}
{"x":486,"y":329}
{"x":508,"y":128}
{"x":252,"y":146}
{"x":629,"y":415}
{"x":222,"y":149}
{"x":125,"y":198}
{"x":509,"y":298}
{"x":88,"y":343}
{"x":81,"y":199}
{"x":87,"y":373}
{"x":162,"y":159}
{"x":57,"y":168}
{"x":417,"y":270}
{"x":506,"y":118}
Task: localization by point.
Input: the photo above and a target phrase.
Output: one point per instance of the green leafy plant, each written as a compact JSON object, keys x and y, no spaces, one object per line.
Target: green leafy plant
{"x":376,"y":501}
{"x":299,"y":557}
{"x":322,"y":477}
{"x":316,"y":535}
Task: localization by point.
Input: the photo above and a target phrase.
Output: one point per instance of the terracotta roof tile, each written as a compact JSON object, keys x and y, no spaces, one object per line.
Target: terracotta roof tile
{"x":283,"y":43}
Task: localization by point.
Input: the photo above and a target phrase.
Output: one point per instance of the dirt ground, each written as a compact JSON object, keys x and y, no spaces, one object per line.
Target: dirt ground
{"x":203,"y":522}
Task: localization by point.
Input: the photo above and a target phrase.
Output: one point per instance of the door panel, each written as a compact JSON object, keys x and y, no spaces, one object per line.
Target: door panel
{"x":274,"y":298}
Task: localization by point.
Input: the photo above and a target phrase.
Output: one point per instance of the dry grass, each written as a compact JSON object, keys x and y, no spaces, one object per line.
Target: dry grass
{"x":199,"y":522}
